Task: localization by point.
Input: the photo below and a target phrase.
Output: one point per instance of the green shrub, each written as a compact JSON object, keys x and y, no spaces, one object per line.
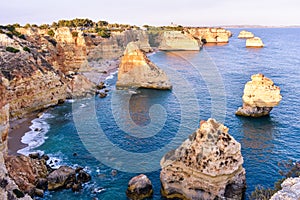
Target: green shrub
{"x":103,"y":33}
{"x":44,"y":26}
{"x":10,"y":35}
{"x":12,"y":50}
{"x":27,"y":26}
{"x":22,"y":37}
{"x":75,"y":34}
{"x":26,"y":49}
{"x":51,"y":33}
{"x":262,"y":193}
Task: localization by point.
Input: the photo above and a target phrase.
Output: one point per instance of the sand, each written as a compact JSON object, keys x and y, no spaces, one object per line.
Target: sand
{"x":17,"y":130}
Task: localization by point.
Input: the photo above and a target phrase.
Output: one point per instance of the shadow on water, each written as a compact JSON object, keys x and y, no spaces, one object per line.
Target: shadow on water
{"x":258,"y":137}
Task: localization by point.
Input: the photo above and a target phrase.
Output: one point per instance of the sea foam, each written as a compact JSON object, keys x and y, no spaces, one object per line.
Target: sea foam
{"x":37,"y":135}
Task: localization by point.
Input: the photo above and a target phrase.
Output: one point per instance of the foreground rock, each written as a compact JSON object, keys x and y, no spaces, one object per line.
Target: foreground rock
{"x":139,"y":187}
{"x":254,"y":42}
{"x":176,"y":40}
{"x":26,"y":172}
{"x":137,"y":71}
{"x":208,"y":165}
{"x":245,"y":35}
{"x":33,"y":176}
{"x":260,"y":96}
{"x":290,"y":190}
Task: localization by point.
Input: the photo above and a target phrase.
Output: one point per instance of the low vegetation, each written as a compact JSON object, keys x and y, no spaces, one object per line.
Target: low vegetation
{"x":288,"y":169}
{"x":26,"y":49}
{"x":12,"y":50}
{"x":11,"y":31}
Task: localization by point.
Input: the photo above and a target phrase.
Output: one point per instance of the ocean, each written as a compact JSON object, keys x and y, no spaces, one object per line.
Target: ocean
{"x":127,"y":133}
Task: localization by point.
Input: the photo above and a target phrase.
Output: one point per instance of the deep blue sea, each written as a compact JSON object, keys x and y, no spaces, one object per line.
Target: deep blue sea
{"x":129,"y":131}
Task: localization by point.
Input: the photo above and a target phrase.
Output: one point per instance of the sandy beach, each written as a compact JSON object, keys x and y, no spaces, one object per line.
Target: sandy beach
{"x":18,"y":128}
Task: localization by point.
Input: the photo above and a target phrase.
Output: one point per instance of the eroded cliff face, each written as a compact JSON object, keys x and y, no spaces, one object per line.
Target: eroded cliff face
{"x":206,"y":166}
{"x":137,"y":71}
{"x":8,"y":187}
{"x":210,"y":35}
{"x":176,"y":40}
{"x":290,"y":190}
{"x":260,"y":96}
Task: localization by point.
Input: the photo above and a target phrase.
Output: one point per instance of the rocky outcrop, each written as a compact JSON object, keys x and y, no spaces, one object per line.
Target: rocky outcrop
{"x":26,"y":172}
{"x":206,"y":166}
{"x":254,"y":42}
{"x":139,"y":187}
{"x":61,"y":178}
{"x":290,"y":190}
{"x":260,"y":96}
{"x":176,"y":40}
{"x":245,"y":35}
{"x":209,"y":35}
{"x":137,"y":71}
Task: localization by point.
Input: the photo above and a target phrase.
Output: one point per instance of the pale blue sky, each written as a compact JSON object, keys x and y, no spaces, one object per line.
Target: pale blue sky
{"x":155,"y":12}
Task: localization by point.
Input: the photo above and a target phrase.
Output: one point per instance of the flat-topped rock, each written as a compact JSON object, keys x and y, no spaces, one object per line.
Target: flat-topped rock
{"x":254,"y":42}
{"x":245,"y":35}
{"x":137,"y":71}
{"x":176,"y":40}
{"x":260,"y":96}
{"x":208,"y":165}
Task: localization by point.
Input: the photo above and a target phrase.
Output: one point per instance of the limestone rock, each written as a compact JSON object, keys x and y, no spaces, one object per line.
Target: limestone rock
{"x":139,"y":187}
{"x":209,"y":35}
{"x":260,"y":96}
{"x":26,"y":171}
{"x":245,"y":35}
{"x":176,"y":40}
{"x":61,"y":177}
{"x":136,"y":70}
{"x":206,"y":166}
{"x":254,"y":42}
{"x":290,"y":190}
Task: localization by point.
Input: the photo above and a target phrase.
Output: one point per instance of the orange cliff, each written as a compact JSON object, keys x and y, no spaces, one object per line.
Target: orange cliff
{"x":137,"y":71}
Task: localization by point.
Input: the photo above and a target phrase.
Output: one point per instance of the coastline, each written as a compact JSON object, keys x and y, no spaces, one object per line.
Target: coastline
{"x":19,"y":127}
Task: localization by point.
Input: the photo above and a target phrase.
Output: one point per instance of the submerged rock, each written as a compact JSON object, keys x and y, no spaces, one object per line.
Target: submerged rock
{"x":208,"y":165}
{"x":254,"y":42}
{"x":290,"y":190}
{"x":139,"y":187}
{"x":260,"y":96}
{"x":245,"y":35}
{"x":137,"y":71}
{"x":176,"y":40}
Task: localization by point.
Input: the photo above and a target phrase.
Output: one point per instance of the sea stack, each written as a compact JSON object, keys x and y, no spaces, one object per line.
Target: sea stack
{"x":254,"y":42}
{"x":137,"y":71}
{"x":208,"y":165}
{"x":176,"y":40}
{"x":260,"y":96}
{"x":245,"y":35}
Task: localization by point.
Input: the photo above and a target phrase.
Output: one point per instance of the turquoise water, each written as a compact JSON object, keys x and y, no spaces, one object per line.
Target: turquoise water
{"x":130,"y":131}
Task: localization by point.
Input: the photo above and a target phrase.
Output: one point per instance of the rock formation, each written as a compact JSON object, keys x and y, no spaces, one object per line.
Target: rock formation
{"x":290,"y":190}
{"x":137,"y":71}
{"x":254,"y":42}
{"x":176,"y":40}
{"x":260,"y":96}
{"x":26,"y":172}
{"x":245,"y":35}
{"x":210,"y":35}
{"x":139,"y":187}
{"x":206,"y":166}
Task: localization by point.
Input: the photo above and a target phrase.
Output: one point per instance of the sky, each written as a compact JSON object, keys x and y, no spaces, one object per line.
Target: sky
{"x":154,"y":12}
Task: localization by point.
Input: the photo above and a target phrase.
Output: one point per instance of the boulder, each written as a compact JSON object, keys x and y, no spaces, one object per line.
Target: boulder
{"x":139,"y":187}
{"x":245,"y":35}
{"x":26,"y":172}
{"x":137,"y":71}
{"x":61,"y":178}
{"x":208,"y":165}
{"x":290,"y":190}
{"x":254,"y":42}
{"x":176,"y":40}
{"x":260,"y":96}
